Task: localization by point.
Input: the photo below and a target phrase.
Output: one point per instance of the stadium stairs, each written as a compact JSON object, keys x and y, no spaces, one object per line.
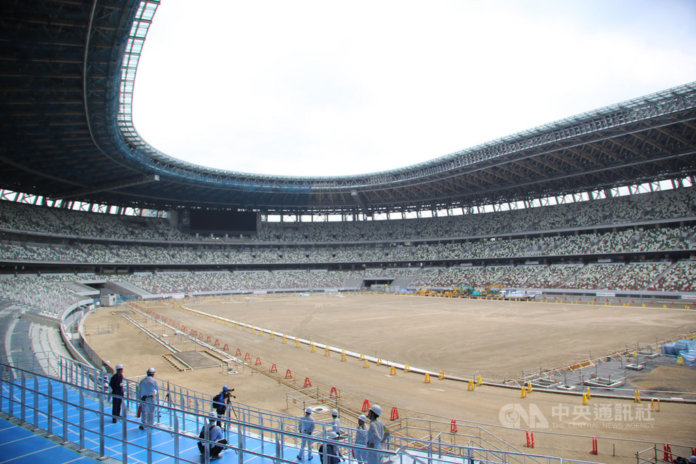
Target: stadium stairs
{"x":127,"y":289}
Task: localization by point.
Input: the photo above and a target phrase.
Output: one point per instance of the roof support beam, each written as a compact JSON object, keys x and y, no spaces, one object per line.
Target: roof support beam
{"x":360,"y":200}
{"x":113,"y":186}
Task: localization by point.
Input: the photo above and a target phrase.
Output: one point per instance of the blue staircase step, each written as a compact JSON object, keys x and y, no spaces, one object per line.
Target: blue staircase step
{"x":19,"y":446}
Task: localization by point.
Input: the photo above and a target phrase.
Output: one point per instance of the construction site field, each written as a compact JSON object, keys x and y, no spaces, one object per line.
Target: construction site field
{"x":497,"y":340}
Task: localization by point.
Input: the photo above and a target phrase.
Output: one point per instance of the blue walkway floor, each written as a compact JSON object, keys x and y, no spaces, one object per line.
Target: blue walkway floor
{"x":20,"y":445}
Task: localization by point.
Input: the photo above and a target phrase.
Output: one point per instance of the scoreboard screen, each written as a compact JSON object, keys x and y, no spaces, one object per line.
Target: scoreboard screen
{"x":201,"y":220}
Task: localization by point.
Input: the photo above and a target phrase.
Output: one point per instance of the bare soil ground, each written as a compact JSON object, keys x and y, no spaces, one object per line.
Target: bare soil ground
{"x":495,"y":339}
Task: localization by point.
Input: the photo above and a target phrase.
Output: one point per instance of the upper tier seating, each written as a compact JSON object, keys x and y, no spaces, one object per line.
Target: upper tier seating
{"x":666,"y":205}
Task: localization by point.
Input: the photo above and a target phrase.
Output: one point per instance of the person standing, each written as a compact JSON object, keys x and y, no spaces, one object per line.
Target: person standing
{"x":116,"y":385}
{"x":376,"y":434}
{"x":105,"y":379}
{"x":306,"y":428}
{"x":335,"y":423}
{"x":149,"y":395}
{"x":220,"y":402}
{"x":361,"y":439}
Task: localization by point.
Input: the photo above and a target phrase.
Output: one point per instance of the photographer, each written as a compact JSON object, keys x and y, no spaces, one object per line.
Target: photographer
{"x":221,"y":401}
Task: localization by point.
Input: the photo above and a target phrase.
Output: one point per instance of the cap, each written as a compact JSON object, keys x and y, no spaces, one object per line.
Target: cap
{"x":333,"y":435}
{"x":308,"y":411}
{"x":377,"y":409}
{"x":362,"y":417}
{"x":225,"y":388}
{"x":151,"y":371}
{"x":212,"y":417}
{"x":119,"y":367}
{"x":334,"y":412}
{"x":108,"y":363}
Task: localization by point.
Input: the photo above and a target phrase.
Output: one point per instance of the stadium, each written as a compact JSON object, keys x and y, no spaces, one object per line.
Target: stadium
{"x":530,"y":299}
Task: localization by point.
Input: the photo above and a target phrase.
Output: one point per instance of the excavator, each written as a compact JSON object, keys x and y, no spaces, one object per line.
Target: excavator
{"x":493,"y":291}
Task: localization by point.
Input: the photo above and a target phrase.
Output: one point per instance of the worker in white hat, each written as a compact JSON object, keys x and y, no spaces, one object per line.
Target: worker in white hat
{"x":335,"y":422}
{"x":107,"y":370}
{"x":361,"y":439}
{"x":148,"y":393}
{"x":212,"y":433}
{"x":116,"y":385}
{"x":376,"y":434}
{"x":306,"y":427}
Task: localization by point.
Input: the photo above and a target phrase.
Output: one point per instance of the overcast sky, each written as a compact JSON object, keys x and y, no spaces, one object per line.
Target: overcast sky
{"x":334,"y":88}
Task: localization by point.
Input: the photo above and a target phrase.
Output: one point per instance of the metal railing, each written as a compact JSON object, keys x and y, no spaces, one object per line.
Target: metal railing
{"x":663,"y":453}
{"x":69,"y":406}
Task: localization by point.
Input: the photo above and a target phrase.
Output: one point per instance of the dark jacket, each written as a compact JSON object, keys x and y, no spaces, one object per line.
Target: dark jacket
{"x":332,"y":454}
{"x":219,"y":401}
{"x":116,"y":383}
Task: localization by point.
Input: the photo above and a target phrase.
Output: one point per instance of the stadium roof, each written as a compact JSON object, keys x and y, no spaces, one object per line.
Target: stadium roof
{"x":67,"y":70}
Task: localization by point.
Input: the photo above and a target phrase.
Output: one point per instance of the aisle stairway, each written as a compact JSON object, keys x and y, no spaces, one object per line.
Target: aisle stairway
{"x":19,"y":446}
{"x":161,"y":441}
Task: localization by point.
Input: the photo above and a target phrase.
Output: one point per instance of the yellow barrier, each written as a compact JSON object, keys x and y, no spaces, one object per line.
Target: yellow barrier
{"x":652,"y":404}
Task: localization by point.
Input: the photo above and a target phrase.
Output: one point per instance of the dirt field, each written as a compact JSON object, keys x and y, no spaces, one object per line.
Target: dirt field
{"x":461,"y":337}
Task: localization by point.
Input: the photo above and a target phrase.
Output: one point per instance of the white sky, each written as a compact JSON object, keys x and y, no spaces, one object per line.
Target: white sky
{"x":321,"y":87}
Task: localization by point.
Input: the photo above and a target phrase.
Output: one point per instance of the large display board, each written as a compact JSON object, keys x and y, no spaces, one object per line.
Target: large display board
{"x":203,"y":220}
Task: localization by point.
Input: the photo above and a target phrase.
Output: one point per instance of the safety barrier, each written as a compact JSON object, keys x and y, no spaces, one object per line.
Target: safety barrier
{"x":79,"y":411}
{"x":663,"y":453}
{"x":539,"y":379}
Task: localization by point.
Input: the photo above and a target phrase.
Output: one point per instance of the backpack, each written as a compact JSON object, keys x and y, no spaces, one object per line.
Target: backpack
{"x":202,"y":434}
